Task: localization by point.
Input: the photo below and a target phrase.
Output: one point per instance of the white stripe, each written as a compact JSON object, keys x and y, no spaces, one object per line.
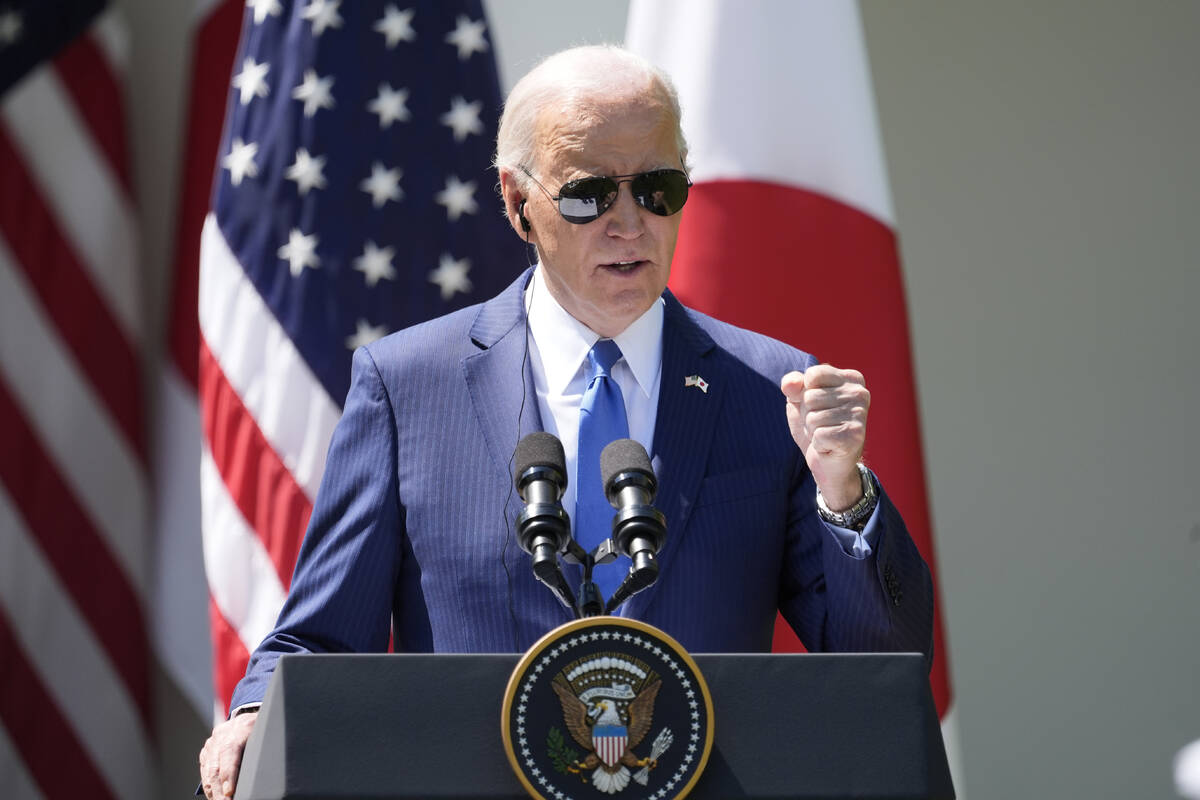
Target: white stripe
{"x":291,"y":407}
{"x":241,"y":575}
{"x":84,"y":442}
{"x":112,"y":36}
{"x":81,"y":189}
{"x":954,"y":750}
{"x":73,"y":667}
{"x":179,"y":611}
{"x":777,"y":91}
{"x":17,"y":782}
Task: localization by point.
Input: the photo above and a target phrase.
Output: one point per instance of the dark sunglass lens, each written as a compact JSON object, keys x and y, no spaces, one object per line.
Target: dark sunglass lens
{"x":661,"y":192}
{"x":585,"y":199}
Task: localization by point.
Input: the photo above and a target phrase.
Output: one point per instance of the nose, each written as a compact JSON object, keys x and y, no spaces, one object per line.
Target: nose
{"x":624,"y":219}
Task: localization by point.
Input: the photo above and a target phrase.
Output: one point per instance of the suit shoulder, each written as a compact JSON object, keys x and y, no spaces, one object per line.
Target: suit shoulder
{"x":443,"y":339}
{"x":757,"y":350}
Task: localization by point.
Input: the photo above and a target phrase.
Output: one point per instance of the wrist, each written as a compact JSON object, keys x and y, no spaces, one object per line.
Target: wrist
{"x":842,"y":495}
{"x":857,"y":514}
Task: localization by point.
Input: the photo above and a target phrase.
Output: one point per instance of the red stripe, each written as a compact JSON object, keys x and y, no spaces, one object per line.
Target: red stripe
{"x":85,"y":324}
{"x":230,"y":656}
{"x":825,"y":277}
{"x":76,"y":550}
{"x":46,"y":741}
{"x":88,"y":78}
{"x":261,"y":486}
{"x":212,"y":63}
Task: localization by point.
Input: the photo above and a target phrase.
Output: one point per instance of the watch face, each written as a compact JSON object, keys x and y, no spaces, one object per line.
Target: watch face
{"x":607,"y":706}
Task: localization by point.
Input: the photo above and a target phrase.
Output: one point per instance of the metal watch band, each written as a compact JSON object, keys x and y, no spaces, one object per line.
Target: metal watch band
{"x":857,"y":515}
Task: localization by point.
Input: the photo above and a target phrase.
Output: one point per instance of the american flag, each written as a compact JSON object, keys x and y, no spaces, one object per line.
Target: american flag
{"x":353,"y":197}
{"x":74,"y":498}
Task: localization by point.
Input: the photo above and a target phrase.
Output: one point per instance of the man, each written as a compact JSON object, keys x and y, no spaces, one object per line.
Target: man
{"x":412,"y":529}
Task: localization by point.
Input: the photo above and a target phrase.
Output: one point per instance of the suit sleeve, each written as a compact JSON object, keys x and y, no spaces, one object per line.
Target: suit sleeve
{"x":837,"y":602}
{"x":340,"y":598}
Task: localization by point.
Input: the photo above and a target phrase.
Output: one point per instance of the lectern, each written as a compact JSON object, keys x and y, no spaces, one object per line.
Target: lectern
{"x":428,"y":726}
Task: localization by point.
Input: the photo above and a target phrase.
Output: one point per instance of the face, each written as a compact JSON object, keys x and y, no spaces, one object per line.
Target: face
{"x":606,"y":272}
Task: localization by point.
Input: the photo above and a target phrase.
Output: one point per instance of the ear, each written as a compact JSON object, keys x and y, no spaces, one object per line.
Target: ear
{"x":513,"y":200}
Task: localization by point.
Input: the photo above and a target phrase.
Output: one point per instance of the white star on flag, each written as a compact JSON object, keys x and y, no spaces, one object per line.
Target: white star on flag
{"x":240,"y":161}
{"x":315,"y":92}
{"x":467,"y":36}
{"x":324,"y":14}
{"x":458,"y":198}
{"x":300,"y":252}
{"x":365,"y":334}
{"x":262,"y":8}
{"x":251,"y":81}
{"x":396,"y":26}
{"x":451,"y":275}
{"x":11,"y":26}
{"x":383,"y":185}
{"x":376,"y":263}
{"x":463,"y":118}
{"x":389,"y":104}
{"x":307,"y":172}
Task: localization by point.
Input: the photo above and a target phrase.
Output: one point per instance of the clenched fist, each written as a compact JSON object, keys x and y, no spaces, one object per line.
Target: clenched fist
{"x":827,"y":413}
{"x":221,"y":758}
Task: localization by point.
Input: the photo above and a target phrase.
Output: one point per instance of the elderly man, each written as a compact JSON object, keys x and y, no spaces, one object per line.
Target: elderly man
{"x":767,"y":505}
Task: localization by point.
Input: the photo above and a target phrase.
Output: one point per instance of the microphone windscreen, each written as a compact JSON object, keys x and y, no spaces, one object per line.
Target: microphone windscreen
{"x":539,"y":449}
{"x":623,"y":455}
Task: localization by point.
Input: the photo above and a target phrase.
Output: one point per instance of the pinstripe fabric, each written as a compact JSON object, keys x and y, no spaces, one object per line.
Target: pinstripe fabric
{"x":413,"y":518}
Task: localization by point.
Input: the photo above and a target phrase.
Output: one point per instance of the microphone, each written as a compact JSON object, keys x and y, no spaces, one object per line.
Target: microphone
{"x":543,"y":528}
{"x":639,"y":529}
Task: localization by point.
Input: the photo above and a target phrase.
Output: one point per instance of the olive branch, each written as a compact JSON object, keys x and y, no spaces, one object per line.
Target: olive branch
{"x":561,"y":756}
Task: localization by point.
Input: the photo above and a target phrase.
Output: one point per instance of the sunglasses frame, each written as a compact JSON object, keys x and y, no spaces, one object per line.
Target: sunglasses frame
{"x":618,"y":180}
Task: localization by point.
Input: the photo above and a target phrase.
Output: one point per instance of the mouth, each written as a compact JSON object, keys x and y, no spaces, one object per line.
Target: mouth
{"x":624,"y":267}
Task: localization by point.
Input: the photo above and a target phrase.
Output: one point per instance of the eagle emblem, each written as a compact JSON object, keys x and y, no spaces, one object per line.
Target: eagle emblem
{"x":608,"y":707}
{"x":593,"y":710}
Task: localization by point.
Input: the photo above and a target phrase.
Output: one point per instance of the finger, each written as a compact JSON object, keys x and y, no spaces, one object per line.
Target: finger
{"x":795,"y":418}
{"x":230,"y":762}
{"x":830,"y":418}
{"x":844,"y":440}
{"x":792,"y":385}
{"x":848,"y":395}
{"x":231,"y":753}
{"x":821,"y":375}
{"x":208,"y":769}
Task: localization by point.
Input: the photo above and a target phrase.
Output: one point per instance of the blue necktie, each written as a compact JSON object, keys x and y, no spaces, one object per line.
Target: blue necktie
{"x":601,"y":420}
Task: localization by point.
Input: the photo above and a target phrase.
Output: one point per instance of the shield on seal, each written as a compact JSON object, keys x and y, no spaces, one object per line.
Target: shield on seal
{"x":609,"y":741}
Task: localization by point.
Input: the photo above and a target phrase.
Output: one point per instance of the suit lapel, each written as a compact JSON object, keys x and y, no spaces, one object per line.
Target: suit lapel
{"x":683,"y":432}
{"x":505,"y":409}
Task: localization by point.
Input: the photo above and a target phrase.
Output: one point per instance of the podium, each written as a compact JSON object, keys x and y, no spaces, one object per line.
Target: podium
{"x":428,"y":726}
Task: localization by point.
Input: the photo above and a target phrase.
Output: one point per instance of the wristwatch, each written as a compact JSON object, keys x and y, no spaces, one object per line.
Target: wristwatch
{"x":855,"y":517}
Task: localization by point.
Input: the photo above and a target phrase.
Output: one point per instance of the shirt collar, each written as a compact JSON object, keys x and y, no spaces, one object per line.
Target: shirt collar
{"x":563,"y":341}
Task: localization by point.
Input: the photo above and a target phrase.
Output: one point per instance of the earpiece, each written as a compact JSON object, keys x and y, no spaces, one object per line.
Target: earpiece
{"x":525,"y":226}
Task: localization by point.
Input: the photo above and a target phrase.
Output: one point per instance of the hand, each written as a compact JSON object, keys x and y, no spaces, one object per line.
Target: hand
{"x":827,"y":414}
{"x":221,"y":757}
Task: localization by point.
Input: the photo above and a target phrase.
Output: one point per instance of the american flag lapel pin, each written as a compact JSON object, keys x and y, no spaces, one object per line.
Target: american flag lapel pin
{"x":697,"y":381}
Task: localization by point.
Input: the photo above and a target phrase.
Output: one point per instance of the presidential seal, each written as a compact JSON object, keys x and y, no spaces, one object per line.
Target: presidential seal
{"x":607,"y":706}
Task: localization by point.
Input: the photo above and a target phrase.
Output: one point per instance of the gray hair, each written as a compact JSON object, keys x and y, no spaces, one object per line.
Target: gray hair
{"x":566,"y":79}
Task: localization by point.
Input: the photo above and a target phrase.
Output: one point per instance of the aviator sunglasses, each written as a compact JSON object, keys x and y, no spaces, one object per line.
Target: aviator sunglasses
{"x":660,"y":191}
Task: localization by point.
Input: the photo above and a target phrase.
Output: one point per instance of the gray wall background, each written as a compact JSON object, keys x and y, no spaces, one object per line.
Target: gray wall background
{"x":1043,"y":165}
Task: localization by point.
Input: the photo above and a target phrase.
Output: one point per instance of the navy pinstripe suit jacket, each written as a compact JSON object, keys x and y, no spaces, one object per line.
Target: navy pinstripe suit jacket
{"x":413,"y":523}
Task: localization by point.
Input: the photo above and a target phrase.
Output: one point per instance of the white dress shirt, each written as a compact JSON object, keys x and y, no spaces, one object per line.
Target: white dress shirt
{"x":558,"y":348}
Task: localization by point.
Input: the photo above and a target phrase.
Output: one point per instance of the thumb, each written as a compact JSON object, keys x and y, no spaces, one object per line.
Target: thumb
{"x":792,"y":386}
